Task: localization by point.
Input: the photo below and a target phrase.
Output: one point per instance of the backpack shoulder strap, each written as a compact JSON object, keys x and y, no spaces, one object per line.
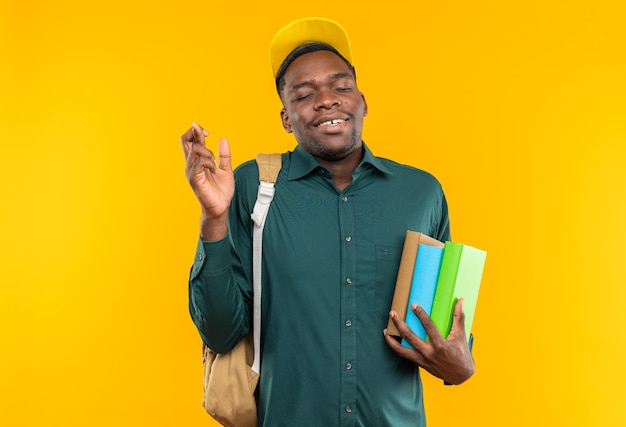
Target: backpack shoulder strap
{"x":269,"y":166}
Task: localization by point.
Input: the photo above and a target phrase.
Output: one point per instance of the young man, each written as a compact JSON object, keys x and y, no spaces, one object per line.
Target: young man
{"x":331,"y":250}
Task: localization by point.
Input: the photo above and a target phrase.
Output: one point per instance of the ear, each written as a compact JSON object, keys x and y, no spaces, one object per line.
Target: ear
{"x":284,"y":117}
{"x":364,"y":105}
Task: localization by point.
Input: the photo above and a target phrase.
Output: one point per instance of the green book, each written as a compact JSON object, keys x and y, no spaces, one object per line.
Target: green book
{"x":459,"y":277}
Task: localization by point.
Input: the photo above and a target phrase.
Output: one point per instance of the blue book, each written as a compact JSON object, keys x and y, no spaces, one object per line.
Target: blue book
{"x":423,"y":285}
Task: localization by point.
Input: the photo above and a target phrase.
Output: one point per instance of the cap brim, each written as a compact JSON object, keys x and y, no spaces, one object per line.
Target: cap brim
{"x":308,"y":30}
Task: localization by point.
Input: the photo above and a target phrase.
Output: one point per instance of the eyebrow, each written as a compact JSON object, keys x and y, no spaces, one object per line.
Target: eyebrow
{"x":330,"y":77}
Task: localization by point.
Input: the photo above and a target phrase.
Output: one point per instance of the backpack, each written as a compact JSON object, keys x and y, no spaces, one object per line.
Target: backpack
{"x":230,"y":379}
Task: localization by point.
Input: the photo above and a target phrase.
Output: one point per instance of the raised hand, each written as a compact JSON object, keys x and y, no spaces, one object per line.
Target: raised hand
{"x":213,"y":184}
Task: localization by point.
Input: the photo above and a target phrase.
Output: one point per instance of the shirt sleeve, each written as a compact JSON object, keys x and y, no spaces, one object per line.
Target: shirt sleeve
{"x":442,"y":226}
{"x":217,"y":304}
{"x":220,"y":281}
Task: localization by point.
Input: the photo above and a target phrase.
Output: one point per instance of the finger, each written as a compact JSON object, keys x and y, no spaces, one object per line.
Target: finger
{"x":204,"y":163}
{"x":199,"y":166}
{"x":199,"y":154}
{"x":199,"y":133}
{"x":392,"y":342}
{"x":186,"y":140}
{"x":415,"y":341}
{"x":429,"y":326}
{"x":396,"y":346}
{"x":404,"y":352}
{"x":458,"y":321}
{"x":223,"y":151}
{"x":193,"y":134}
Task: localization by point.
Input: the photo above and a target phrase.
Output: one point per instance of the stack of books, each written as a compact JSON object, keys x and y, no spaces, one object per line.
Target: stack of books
{"x":435,"y":275}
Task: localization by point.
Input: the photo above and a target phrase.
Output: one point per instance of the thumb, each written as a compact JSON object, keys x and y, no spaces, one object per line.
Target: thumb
{"x":458,"y":320}
{"x":223,"y":152}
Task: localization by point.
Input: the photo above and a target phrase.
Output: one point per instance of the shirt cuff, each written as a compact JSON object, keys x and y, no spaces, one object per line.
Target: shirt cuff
{"x":211,"y":257}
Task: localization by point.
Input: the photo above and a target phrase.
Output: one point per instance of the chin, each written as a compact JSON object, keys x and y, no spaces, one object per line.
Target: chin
{"x":336,"y":152}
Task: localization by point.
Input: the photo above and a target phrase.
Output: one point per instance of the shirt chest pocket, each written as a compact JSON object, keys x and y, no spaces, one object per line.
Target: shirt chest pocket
{"x":387,"y":263}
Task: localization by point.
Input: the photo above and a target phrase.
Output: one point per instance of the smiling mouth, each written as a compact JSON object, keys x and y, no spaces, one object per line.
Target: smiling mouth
{"x":330,"y":123}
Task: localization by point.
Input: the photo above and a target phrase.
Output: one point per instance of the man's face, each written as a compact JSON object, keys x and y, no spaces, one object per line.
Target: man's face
{"x":323,"y":106}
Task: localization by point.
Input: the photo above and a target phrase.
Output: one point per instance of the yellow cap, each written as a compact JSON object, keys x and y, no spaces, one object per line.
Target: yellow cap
{"x":308,"y":30}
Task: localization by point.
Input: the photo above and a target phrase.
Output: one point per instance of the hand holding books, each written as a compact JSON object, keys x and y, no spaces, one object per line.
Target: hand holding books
{"x":447,"y":358}
{"x":435,"y":275}
{"x":433,"y":306}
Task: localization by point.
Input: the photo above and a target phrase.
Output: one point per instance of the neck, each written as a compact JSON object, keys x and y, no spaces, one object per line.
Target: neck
{"x":341,"y":170}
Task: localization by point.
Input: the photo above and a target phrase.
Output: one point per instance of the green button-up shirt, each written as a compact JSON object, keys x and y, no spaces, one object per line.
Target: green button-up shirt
{"x":330,"y":261}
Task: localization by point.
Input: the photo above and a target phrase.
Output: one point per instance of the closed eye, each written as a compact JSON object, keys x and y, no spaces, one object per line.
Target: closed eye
{"x":302,"y":97}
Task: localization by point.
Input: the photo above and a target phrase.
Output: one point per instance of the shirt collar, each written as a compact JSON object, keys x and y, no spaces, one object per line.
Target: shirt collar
{"x":303,"y":163}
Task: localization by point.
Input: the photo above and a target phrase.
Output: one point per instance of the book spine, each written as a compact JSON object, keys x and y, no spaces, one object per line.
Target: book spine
{"x":423,"y":286}
{"x":443,"y":301}
{"x":405,"y":274}
{"x":468,"y":282}
{"x":403,"y":282}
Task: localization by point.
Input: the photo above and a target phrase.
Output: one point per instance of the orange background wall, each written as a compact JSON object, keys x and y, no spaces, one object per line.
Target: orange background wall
{"x":517,"y":107}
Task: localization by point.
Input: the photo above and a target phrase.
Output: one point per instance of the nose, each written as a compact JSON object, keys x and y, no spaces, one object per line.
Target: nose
{"x":326,"y":99}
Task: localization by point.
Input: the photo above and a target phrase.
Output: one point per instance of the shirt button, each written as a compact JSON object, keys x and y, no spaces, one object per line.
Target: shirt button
{"x":348,"y":238}
{"x":344,"y":199}
{"x":348,"y":409}
{"x":348,"y":323}
{"x":348,"y":366}
{"x":349,"y":281}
